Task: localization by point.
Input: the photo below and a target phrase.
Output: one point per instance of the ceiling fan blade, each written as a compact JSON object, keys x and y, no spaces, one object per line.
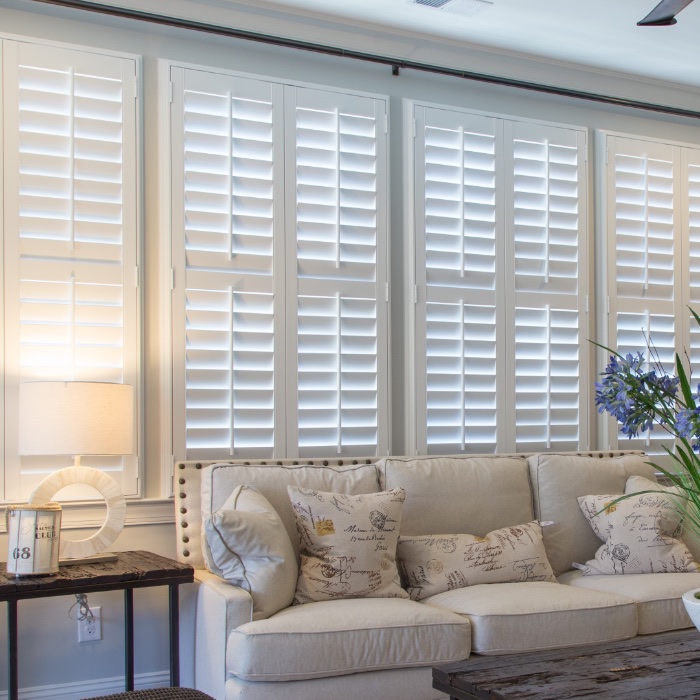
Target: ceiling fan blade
{"x":664,"y":13}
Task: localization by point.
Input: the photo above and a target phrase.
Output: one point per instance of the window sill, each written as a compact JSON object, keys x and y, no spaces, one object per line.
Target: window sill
{"x":90,"y":514}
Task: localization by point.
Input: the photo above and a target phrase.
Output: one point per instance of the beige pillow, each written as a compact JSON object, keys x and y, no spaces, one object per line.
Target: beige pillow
{"x":347,"y":544}
{"x":432,"y":564}
{"x":247,"y":544}
{"x":640,"y":533}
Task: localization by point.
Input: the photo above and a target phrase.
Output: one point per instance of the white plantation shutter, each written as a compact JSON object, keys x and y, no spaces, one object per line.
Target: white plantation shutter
{"x":501,"y":284}
{"x":70,"y":233}
{"x":690,"y":195}
{"x":335,"y":205}
{"x":279,"y":256}
{"x":549,"y":285}
{"x":644,"y":274}
{"x":460,"y":313}
{"x":229,"y":284}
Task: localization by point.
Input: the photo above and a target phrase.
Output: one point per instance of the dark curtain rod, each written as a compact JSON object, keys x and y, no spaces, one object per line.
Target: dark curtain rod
{"x":396,"y":64}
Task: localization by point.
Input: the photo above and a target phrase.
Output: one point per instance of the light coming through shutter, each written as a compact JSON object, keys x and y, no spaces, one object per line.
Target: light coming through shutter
{"x":644,"y":278}
{"x":690,"y":173}
{"x":71,"y":231}
{"x":548,"y":210}
{"x":336,"y":204}
{"x":457,"y":269}
{"x":279,"y":256}
{"x":227,"y":176}
{"x":501,"y":285}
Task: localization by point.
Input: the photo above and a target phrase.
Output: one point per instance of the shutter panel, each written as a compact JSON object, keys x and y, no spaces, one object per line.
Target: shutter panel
{"x":70,"y":194}
{"x":460,"y":320}
{"x":691,"y":251}
{"x":337,"y":372}
{"x":643,"y":272}
{"x":549,"y":286}
{"x":227,"y":234}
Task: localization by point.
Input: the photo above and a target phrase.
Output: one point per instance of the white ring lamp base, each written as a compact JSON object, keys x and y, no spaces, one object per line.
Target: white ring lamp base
{"x":116,"y":508}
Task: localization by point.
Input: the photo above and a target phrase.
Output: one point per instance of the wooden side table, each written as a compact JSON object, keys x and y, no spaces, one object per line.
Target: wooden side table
{"x":130,"y":570}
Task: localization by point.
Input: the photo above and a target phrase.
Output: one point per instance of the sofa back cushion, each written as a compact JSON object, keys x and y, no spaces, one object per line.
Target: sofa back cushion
{"x":557,"y":483}
{"x":219,"y":481}
{"x":459,"y":495}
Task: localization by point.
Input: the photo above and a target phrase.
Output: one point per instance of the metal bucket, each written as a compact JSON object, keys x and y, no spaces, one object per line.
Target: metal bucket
{"x":33,"y":536}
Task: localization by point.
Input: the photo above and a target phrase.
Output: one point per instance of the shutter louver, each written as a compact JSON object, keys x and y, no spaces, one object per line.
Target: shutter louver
{"x":70,"y":277}
{"x":548,"y":281}
{"x":225,"y":239}
{"x":340,"y":270}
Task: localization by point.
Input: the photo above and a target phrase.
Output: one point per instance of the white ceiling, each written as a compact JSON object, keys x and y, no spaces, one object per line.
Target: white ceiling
{"x":599,"y":34}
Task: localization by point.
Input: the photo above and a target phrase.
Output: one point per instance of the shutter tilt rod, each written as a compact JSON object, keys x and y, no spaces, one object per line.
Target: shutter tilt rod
{"x":395,"y":64}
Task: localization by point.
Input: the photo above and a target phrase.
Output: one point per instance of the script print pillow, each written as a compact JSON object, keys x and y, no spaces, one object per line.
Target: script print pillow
{"x":640,"y":534}
{"x":433,"y":564}
{"x":347,"y":544}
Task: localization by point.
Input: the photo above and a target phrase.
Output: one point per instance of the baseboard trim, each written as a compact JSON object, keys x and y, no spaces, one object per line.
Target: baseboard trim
{"x":92,"y":688}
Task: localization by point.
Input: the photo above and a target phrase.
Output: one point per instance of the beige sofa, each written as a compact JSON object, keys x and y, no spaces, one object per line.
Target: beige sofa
{"x":385,"y":647}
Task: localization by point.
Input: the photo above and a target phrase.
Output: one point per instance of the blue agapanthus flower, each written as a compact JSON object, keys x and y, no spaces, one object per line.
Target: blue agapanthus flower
{"x":629,"y":392}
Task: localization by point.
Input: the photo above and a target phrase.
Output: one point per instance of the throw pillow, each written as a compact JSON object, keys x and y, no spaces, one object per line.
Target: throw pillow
{"x":640,"y":533}
{"x":432,"y":564}
{"x":347,"y":544}
{"x":246,"y":543}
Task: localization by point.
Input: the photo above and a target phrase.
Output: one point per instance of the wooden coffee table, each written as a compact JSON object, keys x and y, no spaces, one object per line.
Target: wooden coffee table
{"x":658,"y":667}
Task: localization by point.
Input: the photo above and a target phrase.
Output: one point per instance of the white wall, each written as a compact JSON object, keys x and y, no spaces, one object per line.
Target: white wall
{"x":49,"y":653}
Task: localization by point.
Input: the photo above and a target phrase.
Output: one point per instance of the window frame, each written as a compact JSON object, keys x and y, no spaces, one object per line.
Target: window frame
{"x":168,"y":272}
{"x":607,"y":306}
{"x":412,"y":290}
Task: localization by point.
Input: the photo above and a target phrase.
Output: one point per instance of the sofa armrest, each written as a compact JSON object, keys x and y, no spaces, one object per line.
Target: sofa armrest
{"x":211,"y":608}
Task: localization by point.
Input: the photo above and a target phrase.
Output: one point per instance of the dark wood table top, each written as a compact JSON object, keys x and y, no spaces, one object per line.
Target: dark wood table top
{"x":136,"y":569}
{"x":650,"y":667}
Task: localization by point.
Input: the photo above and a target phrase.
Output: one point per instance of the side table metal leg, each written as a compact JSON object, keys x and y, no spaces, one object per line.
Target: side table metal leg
{"x":174,"y":600}
{"x":12,"y":685}
{"x":129,"y":638}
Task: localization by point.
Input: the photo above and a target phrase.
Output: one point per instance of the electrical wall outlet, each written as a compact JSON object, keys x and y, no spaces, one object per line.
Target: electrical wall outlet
{"x":90,"y":630}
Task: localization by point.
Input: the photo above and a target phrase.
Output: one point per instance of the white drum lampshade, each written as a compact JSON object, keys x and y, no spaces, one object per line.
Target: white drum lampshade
{"x":79,"y":418}
{"x":76,"y":418}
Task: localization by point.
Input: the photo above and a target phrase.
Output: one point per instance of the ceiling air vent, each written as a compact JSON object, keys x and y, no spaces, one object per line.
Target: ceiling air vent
{"x":466,"y":8}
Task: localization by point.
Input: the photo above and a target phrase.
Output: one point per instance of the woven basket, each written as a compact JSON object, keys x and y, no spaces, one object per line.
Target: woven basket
{"x":158,"y":694}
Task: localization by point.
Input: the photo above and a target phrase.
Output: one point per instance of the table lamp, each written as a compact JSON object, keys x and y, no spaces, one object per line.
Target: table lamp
{"x":79,"y":419}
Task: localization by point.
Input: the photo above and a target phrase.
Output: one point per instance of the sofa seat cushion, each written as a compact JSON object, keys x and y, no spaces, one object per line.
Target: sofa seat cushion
{"x":518,"y":617}
{"x":338,"y":637}
{"x":659,"y":604}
